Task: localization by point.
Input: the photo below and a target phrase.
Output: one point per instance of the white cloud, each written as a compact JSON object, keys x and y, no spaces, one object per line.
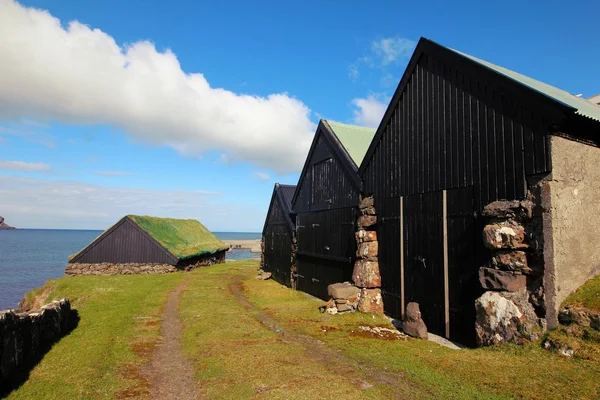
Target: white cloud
{"x":80,"y":75}
{"x":353,"y":72}
{"x":369,"y":111}
{"x":23,"y":166}
{"x":391,"y":49}
{"x":112,"y":173}
{"x":32,"y":203}
{"x":262,"y":176}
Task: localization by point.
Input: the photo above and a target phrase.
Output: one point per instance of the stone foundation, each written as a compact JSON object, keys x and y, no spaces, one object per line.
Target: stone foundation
{"x":104,"y":269}
{"x":23,"y":335}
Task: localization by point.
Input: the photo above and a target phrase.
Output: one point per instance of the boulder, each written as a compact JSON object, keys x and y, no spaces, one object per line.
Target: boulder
{"x":344,"y":308}
{"x":413,"y":325}
{"x":262,"y":275}
{"x":515,"y":260}
{"x":504,"y":235}
{"x":368,"y":211}
{"x":365,"y":236}
{"x":342,"y":290}
{"x":509,"y":209}
{"x":493,"y":279}
{"x":366,"y":274}
{"x":367,"y":249}
{"x":505,"y":318}
{"x":579,"y":316}
{"x":370,"y":301}
{"x":365,"y":221}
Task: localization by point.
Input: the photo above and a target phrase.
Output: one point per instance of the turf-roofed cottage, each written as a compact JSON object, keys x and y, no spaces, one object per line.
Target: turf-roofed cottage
{"x":325,"y":204}
{"x":279,"y":236}
{"x":485,"y":185}
{"x":142,"y":244}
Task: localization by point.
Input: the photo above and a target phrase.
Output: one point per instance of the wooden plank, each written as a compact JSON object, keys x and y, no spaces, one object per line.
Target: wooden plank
{"x":402,"y":304}
{"x":446,"y":285}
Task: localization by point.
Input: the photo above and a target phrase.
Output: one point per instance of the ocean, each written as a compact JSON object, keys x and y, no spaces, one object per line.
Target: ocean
{"x":29,"y":257}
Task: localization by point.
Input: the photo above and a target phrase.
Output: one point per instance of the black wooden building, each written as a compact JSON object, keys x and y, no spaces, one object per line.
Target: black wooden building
{"x":279,"y":235}
{"x":458,"y":134}
{"x":325,"y":205}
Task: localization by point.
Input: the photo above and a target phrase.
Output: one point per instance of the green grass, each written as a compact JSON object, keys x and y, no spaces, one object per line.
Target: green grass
{"x":235,"y":356}
{"x":587,"y":296}
{"x":498,"y":372}
{"x":116,"y":332}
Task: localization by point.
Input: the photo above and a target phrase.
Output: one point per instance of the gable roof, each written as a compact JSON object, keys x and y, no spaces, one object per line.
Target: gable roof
{"x":181,"y":238}
{"x":283,"y":194}
{"x":581,"y":105}
{"x":325,"y":130}
{"x":184,"y":238}
{"x":355,"y":139}
{"x":554,"y":101}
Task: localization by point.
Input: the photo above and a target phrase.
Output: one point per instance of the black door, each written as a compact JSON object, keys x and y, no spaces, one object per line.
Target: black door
{"x":424,"y":257}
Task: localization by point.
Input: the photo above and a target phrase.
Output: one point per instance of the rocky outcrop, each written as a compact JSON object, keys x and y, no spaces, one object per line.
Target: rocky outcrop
{"x":4,"y":226}
{"x":580,"y":316}
{"x":413,"y":325}
{"x":24,"y":335}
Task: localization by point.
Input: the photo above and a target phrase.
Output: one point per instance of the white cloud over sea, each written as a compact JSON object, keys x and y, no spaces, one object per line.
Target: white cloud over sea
{"x":34,"y":203}
{"x":75,"y":74}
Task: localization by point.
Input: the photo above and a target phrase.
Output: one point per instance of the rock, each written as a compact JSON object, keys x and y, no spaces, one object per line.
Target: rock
{"x":515,"y":260}
{"x":366,"y":274}
{"x":504,"y":318}
{"x":413,"y":325}
{"x":509,"y":209}
{"x":342,"y":290}
{"x":365,"y":221}
{"x":365,"y":236}
{"x":4,"y":226}
{"x":370,"y":301}
{"x":344,"y":308}
{"x":504,"y":235}
{"x":576,"y":315}
{"x":368,"y":211}
{"x":560,"y":348}
{"x":340,"y":301}
{"x":595,"y":322}
{"x":367,"y":249}
{"x":493,"y":279}
{"x":263,"y":276}
{"x":367,"y":202}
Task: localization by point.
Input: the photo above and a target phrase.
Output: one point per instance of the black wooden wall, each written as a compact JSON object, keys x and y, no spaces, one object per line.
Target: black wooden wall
{"x":325,"y":204}
{"x":125,"y":243}
{"x":277,"y":237}
{"x":455,"y":129}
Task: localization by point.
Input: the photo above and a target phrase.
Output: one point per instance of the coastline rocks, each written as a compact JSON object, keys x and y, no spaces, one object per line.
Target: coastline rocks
{"x":4,"y":226}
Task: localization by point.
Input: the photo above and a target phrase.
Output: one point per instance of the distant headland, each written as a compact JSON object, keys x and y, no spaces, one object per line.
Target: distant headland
{"x":4,"y":226}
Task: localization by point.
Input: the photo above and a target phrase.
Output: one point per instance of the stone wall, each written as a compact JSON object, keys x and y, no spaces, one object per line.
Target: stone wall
{"x":511,"y":308}
{"x":366,"y":274}
{"x":572,"y":220}
{"x":104,"y":269}
{"x":23,"y":336}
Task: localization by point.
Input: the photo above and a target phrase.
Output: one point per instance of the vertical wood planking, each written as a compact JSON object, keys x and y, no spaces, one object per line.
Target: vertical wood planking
{"x":446,"y":285}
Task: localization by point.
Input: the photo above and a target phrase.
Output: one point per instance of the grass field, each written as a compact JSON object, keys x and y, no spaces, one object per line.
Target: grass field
{"x":257,"y":339}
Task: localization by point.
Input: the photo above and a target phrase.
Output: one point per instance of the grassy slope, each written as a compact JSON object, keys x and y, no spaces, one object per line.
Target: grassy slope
{"x":236,"y":357}
{"x":95,"y":360}
{"x":506,"y":371}
{"x":587,"y":296}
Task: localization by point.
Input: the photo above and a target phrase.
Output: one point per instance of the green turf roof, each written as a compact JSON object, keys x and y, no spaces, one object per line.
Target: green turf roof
{"x":184,"y":238}
{"x":583,"y":106}
{"x":355,"y":139}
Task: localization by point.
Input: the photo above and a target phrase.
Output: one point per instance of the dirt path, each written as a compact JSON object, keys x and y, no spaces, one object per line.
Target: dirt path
{"x":170,"y":374}
{"x":361,"y":374}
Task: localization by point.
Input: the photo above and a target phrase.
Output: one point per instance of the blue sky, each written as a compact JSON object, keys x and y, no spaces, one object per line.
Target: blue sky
{"x":195,"y":109}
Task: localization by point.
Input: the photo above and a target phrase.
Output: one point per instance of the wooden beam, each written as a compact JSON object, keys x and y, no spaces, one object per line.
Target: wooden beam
{"x":402,"y":305}
{"x":446,"y":284}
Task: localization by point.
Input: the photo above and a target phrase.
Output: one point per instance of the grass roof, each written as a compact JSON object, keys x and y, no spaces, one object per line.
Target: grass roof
{"x":184,"y":238}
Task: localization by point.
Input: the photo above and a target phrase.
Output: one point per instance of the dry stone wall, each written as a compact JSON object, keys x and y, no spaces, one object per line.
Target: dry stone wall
{"x":366,"y":274}
{"x":513,"y":278}
{"x":105,"y":269}
{"x":23,"y":335}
